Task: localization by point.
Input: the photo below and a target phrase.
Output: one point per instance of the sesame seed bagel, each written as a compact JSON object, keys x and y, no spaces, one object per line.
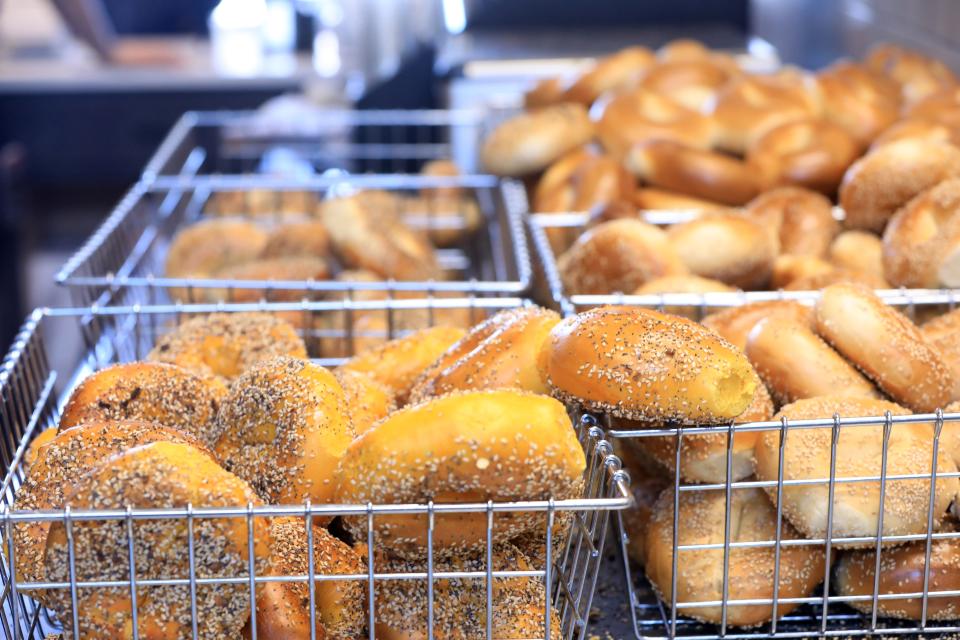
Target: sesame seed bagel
{"x":150,"y":391}
{"x":885,"y":179}
{"x":646,"y":484}
{"x":158,"y":475}
{"x":885,"y":345}
{"x":618,"y":256}
{"x":460,"y":604}
{"x":209,"y":245}
{"x":498,"y":353}
{"x":800,"y":219}
{"x":645,"y":365}
{"x":694,"y":172}
{"x":859,"y":449}
{"x":283,"y":608}
{"x":398,"y":363}
{"x":60,"y":464}
{"x":700,"y":572}
{"x":308,"y":238}
{"x":730,"y":248}
{"x":368,"y":233}
{"x":227,"y":344}
{"x":530,"y":142}
{"x":39,"y":441}
{"x":857,"y":251}
{"x":463,"y":447}
{"x":795,"y":363}
{"x":734,"y":324}
{"x":703,"y":456}
{"x":283,"y":427}
{"x":368,"y":401}
{"x":902,"y":571}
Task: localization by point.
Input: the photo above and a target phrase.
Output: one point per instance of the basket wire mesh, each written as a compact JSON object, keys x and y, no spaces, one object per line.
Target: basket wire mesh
{"x":31,"y":394}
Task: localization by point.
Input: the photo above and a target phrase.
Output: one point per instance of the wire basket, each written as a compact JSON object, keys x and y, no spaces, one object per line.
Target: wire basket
{"x":130,"y":247}
{"x":248,"y":142}
{"x":31,"y":394}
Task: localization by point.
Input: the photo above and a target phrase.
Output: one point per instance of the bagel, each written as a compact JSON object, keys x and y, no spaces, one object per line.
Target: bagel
{"x":806,"y":456}
{"x":700,"y":573}
{"x":33,"y":451}
{"x":801,"y":220}
{"x":641,"y":114}
{"x":227,"y":344}
{"x":530,"y":142}
{"x":368,"y":235}
{"x":857,"y":251}
{"x":283,"y":609}
{"x":885,"y":345}
{"x":283,"y":427}
{"x":478,"y":451}
{"x":736,"y":323}
{"x":791,"y":268}
{"x":300,"y":269}
{"x":60,"y":464}
{"x":885,"y":179}
{"x":914,"y":128}
{"x":308,"y":238}
{"x":703,"y":456}
{"x":809,"y":153}
{"x":902,"y":571}
{"x":150,"y":391}
{"x":741,"y":252}
{"x":859,"y":100}
{"x":498,"y":353}
{"x":275,"y":204}
{"x":750,"y":106}
{"x":545,"y":92}
{"x":795,"y":363}
{"x":683,"y":50}
{"x":651,"y":198}
{"x":646,"y":485}
{"x":205,"y":247}
{"x":460,"y":604}
{"x":683,"y":284}
{"x":694,"y":172}
{"x":397,"y":363}
{"x":943,"y":334}
{"x":693,"y":83}
{"x":617,"y":71}
{"x":368,"y":401}
{"x":157,"y":475}
{"x":918,"y":75}
{"x":451,"y":212}
{"x":647,"y":366}
{"x":919,"y":244}
{"x":936,"y":105}
{"x":619,"y":255}
{"x":817,"y":281}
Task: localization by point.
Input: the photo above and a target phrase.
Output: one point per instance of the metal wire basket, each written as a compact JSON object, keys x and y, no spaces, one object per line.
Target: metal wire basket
{"x":31,"y":393}
{"x":390,"y":141}
{"x":129,"y":248}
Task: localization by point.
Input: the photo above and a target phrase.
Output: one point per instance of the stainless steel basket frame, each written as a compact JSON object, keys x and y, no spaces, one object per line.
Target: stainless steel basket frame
{"x":128,"y":250}
{"x":362,"y":141}
{"x":31,"y":394}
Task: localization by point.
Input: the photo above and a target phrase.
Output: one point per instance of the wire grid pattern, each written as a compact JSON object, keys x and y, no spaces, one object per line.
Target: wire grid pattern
{"x":129,"y":249}
{"x":30,"y":393}
{"x":373,"y":141}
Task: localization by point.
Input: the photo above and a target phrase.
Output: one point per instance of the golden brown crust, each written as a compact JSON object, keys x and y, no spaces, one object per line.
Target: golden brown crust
{"x":652,"y":198}
{"x":802,"y":220}
{"x":914,"y":128}
{"x":399,"y":362}
{"x":644,"y":365}
{"x":730,"y":248}
{"x":694,"y":172}
{"x":261,"y":203}
{"x":546,"y":92}
{"x":611,"y":73}
{"x":918,"y":75}
{"x":41,"y":440}
{"x":646,"y":484}
{"x":683,"y":284}
{"x":810,"y":153}
{"x":795,"y":363}
{"x":148,"y":391}
{"x":618,"y":256}
{"x":817,"y":281}
{"x":857,"y":251}
{"x":158,"y":475}
{"x":734,"y":324}
{"x":885,"y":179}
{"x":283,"y":427}
{"x":700,"y":572}
{"x":227,"y":344}
{"x":885,"y":345}
{"x":857,"y":99}
{"x":479,"y":452}
{"x":308,"y":238}
{"x":807,"y":456}
{"x":368,"y":233}
{"x":368,"y":401}
{"x":207,"y":246}
{"x":943,"y":334}
{"x":790,"y":268}
{"x":529,"y":142}
{"x":692,"y":83}
{"x":498,"y":353}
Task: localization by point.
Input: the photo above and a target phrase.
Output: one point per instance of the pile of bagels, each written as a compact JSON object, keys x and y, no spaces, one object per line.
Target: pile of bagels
{"x":368,"y":236}
{"x":761,"y":162}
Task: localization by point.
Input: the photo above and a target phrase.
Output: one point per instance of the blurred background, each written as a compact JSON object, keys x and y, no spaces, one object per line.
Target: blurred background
{"x":88,"y":88}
